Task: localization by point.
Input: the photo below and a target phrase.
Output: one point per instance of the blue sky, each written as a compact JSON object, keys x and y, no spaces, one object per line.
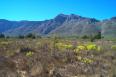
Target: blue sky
{"x":47,"y":9}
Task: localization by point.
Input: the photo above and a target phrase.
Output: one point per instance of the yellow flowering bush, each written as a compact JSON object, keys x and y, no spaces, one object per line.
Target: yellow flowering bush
{"x":29,"y":54}
{"x":113,"y":47}
{"x":91,"y":47}
{"x":68,"y":46}
{"x":80,"y":48}
{"x":84,"y":60}
{"x":79,"y":57}
{"x":59,"y":46}
{"x":62,"y":46}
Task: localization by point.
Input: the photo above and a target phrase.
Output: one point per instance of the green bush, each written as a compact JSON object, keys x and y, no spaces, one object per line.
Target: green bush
{"x":98,"y":36}
{"x":85,"y":37}
{"x":30,"y":35}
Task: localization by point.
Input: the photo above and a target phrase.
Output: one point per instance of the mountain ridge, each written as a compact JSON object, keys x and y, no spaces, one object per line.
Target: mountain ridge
{"x":63,"y":25}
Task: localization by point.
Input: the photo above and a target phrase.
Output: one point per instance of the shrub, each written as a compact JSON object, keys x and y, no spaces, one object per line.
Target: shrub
{"x":25,"y":50}
{"x":62,"y":46}
{"x":98,"y":36}
{"x":81,"y":47}
{"x":84,"y":60}
{"x":88,"y":47}
{"x":29,"y":54}
{"x":85,"y":37}
{"x":91,"y":47}
{"x":30,"y":35}
{"x":113,"y":47}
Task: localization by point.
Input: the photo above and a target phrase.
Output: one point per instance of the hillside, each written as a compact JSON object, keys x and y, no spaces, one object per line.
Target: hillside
{"x":109,"y":28}
{"x":63,"y":25}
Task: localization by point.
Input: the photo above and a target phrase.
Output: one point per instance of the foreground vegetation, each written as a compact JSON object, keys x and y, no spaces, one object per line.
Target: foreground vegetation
{"x":57,"y":57}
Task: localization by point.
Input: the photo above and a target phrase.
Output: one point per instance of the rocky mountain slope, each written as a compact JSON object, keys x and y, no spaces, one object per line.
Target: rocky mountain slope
{"x":63,"y":25}
{"x":109,"y":28}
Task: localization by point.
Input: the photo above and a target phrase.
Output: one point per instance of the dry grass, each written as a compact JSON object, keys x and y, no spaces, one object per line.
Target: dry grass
{"x":46,"y":59}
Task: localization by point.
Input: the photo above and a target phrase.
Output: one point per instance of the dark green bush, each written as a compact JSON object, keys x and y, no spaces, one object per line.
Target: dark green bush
{"x":30,"y":35}
{"x":85,"y":37}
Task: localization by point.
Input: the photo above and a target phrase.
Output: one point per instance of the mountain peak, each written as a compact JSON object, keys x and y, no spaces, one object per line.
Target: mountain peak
{"x":73,"y":16}
{"x":61,"y":15}
{"x":68,"y":16}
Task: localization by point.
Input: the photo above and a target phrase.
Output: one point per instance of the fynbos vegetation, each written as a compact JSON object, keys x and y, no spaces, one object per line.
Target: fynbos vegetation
{"x":57,"y":57}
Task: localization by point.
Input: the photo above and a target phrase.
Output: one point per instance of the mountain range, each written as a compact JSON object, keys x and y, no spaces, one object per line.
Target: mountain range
{"x":62,"y":25}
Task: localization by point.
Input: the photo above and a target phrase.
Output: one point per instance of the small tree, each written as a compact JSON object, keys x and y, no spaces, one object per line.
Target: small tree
{"x":98,"y":36}
{"x":30,"y":35}
{"x":85,"y":37}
